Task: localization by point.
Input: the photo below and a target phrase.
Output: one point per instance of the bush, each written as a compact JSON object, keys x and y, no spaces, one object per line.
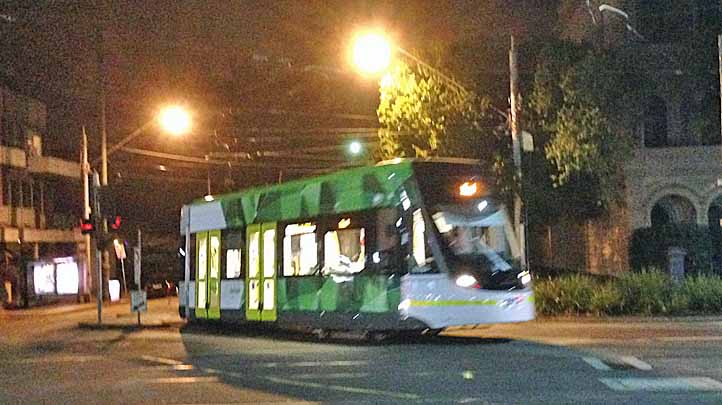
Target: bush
{"x":648,"y":292}
{"x":648,"y":247}
{"x":644,"y":293}
{"x":574,"y":294}
{"x":704,"y":293}
{"x":606,"y":299}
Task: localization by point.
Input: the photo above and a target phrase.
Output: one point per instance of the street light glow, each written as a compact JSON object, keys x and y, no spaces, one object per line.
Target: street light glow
{"x":354,"y":147}
{"x":175,"y":120}
{"x":371,"y":53}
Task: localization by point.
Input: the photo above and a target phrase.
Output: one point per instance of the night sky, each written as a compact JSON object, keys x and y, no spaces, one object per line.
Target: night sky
{"x":232,"y":62}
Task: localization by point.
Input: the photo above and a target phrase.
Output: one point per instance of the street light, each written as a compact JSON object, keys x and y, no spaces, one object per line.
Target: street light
{"x":175,"y":120}
{"x":371,"y":52}
{"x":606,"y":8}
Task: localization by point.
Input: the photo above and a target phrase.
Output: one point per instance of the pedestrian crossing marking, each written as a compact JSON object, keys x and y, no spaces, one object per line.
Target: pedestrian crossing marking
{"x":662,"y":384}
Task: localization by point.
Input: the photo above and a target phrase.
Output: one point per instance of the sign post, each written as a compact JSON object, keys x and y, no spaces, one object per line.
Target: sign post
{"x":138,"y":297}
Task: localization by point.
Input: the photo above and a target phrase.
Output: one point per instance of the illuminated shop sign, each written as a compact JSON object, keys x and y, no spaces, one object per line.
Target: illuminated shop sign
{"x":58,"y":277}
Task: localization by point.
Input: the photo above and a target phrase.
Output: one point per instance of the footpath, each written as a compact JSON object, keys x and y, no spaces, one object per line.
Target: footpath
{"x":161,"y":313}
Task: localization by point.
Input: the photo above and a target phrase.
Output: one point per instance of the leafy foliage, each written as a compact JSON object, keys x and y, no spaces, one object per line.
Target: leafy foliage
{"x":643,"y":293}
{"x":577,"y":95}
{"x":648,"y":247}
{"x":423,"y":115}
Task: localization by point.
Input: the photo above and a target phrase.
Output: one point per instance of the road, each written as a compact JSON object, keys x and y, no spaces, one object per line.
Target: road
{"x":45,"y":357}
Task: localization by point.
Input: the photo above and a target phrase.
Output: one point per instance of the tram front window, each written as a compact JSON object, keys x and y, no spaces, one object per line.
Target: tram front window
{"x":477,"y":243}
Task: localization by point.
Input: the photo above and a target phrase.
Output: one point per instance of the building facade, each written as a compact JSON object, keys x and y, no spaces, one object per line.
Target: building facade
{"x":40,"y":202}
{"x":675,"y":173}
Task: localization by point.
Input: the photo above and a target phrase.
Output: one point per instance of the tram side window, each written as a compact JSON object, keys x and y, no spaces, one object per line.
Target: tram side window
{"x":192,"y":258}
{"x":388,"y":255}
{"x":300,"y":250}
{"x":344,"y":249}
{"x":422,"y":258}
{"x":232,"y":242}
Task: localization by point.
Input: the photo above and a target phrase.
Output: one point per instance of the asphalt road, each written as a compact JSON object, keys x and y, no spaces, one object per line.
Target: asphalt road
{"x":46,"y":358}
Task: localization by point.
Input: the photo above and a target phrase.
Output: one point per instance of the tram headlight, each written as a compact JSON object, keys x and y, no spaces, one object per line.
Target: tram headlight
{"x":465,"y":280}
{"x":524,"y":277}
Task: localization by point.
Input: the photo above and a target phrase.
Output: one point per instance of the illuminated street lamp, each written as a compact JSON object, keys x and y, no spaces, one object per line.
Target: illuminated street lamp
{"x":175,"y":120}
{"x":371,"y":53}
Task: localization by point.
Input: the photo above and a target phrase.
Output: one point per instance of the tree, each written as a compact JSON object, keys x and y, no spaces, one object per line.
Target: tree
{"x":423,"y":115}
{"x":575,"y":111}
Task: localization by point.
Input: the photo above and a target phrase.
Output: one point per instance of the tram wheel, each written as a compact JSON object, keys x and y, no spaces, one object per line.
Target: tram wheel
{"x":321,"y":334}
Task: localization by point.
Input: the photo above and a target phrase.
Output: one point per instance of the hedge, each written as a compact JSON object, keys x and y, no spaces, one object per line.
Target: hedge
{"x":643,"y":293}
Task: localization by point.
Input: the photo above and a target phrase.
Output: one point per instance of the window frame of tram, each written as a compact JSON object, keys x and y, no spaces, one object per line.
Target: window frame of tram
{"x":208,"y":287}
{"x":233,"y":239}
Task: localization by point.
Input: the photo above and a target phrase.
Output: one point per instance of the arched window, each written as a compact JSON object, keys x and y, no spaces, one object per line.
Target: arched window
{"x":673,"y":209}
{"x":655,"y":123}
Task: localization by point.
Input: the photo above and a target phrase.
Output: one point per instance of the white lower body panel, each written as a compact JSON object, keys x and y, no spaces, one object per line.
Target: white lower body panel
{"x":436,"y":300}
{"x":182,"y":299}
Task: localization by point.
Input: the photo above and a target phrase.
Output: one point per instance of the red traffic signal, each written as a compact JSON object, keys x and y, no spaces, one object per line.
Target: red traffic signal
{"x":116,"y":223}
{"x":86,"y":226}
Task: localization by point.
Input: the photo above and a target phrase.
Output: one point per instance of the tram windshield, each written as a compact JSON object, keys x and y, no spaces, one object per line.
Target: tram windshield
{"x":472,"y":225}
{"x":475,"y":235}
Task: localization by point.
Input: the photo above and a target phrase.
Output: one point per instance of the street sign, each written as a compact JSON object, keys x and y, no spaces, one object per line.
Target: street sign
{"x":119,"y":249}
{"x":138,"y":301}
{"x":136,"y":266}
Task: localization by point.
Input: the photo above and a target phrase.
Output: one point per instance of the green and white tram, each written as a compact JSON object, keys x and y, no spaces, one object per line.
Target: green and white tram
{"x":404,"y":245}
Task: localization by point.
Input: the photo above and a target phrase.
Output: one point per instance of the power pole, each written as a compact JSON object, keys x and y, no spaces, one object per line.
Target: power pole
{"x":99,"y":243}
{"x":85,"y":171}
{"x":719,"y":55}
{"x":519,"y":224}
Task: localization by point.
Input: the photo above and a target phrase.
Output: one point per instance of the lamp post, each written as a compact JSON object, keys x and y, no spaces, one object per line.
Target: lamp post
{"x":174,"y":120}
{"x":372,"y":53}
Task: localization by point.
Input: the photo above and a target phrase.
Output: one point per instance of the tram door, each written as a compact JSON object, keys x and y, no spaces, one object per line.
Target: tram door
{"x":261,"y":280}
{"x":208,"y":275}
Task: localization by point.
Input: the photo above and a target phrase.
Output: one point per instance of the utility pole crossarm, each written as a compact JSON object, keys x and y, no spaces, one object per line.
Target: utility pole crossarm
{"x":127,"y":139}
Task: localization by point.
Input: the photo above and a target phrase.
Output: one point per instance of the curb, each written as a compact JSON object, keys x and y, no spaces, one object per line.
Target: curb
{"x":130,"y":326}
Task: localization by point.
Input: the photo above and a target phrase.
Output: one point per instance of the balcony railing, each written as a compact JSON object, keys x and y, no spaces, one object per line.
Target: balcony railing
{"x":53,"y":165}
{"x":16,"y":157}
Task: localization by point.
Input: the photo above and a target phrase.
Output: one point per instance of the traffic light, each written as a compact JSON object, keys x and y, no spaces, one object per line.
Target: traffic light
{"x":87,"y":226}
{"x":109,"y":207}
{"x":115,"y":225}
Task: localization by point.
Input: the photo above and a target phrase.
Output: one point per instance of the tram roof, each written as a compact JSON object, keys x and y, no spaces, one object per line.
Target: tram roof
{"x":348,"y":190}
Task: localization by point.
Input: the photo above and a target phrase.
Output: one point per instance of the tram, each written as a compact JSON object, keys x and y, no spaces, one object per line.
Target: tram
{"x":406,"y":245}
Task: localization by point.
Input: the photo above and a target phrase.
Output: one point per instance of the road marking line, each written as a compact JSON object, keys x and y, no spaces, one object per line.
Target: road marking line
{"x":60,"y":359}
{"x":341,"y":363}
{"x":636,"y":363}
{"x":183,"y":380}
{"x":662,"y":384}
{"x":182,"y":367}
{"x":332,"y":375}
{"x":162,"y":360}
{"x":342,"y":388}
{"x":596,"y":363}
